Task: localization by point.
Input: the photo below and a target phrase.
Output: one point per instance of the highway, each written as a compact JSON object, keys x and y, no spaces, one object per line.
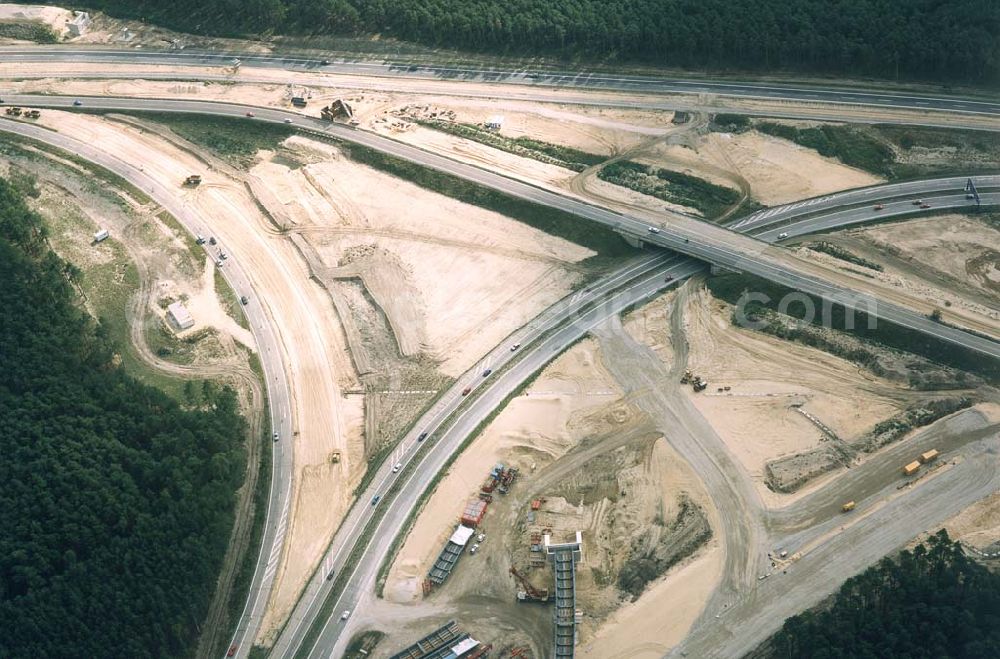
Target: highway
{"x":574,"y":317}
{"x":651,"y":279}
{"x":268,"y":350}
{"x":540,"y":78}
{"x":863,"y":196}
{"x":413,"y":485}
{"x":706,"y":242}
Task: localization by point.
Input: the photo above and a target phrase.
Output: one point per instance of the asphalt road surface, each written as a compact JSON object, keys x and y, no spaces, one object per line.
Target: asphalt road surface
{"x":593,"y":81}
{"x":708,"y":244}
{"x":268,"y":350}
{"x":645,"y":288}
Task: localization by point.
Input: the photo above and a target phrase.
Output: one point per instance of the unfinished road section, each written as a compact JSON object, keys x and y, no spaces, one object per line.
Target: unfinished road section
{"x":702,"y":241}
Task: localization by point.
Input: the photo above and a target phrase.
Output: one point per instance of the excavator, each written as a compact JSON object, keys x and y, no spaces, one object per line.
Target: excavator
{"x":530,"y":593}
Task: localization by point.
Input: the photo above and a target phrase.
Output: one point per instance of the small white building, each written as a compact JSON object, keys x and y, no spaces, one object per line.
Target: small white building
{"x":180,"y":316}
{"x":101,"y":235}
{"x":495,"y":122}
{"x":79,"y":24}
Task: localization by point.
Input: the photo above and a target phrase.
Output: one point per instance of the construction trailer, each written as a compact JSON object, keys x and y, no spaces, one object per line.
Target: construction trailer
{"x":299,"y":101}
{"x":449,"y":556}
{"x":911,"y":468}
{"x":928,"y":456}
{"x":474,"y":511}
{"x":102,"y":235}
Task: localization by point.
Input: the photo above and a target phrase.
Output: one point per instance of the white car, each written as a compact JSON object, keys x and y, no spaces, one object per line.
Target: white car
{"x":515,"y":347}
{"x":399,"y":465}
{"x":783,"y":234}
{"x":345,"y":615}
{"x":652,"y":230}
{"x":288,"y":121}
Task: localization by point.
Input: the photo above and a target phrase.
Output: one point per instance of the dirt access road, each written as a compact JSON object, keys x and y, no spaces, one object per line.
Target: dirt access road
{"x":745,"y":609}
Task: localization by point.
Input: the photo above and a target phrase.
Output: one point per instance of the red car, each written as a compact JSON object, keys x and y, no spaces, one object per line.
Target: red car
{"x":232,"y":651}
{"x":879,"y":207}
{"x":466,"y":391}
{"x":925,"y":205}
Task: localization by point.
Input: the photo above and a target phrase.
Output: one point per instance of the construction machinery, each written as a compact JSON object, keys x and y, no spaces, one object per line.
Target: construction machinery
{"x":847,"y":507}
{"x":686,"y":378}
{"x":530,"y":593}
{"x":193,"y":180}
{"x":32,"y":114}
{"x":336,"y":110}
{"x":698,"y":384}
{"x":335,"y":457}
{"x":14,"y":112}
{"x":507,"y":477}
{"x":929,"y":456}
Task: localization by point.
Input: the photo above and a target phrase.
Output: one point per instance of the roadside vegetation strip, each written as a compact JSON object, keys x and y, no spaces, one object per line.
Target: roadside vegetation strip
{"x":552,"y":154}
{"x":843,"y":254}
{"x":731,"y":287}
{"x":850,"y":146}
{"x":228,"y":137}
{"x":606,"y":243}
{"x":709,"y":199}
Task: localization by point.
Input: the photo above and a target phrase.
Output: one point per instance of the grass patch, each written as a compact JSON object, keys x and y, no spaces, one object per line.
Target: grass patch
{"x":605,"y":242}
{"x":707,"y":198}
{"x":233,"y":139}
{"x":839,"y":252}
{"x":731,"y":287}
{"x":230,"y":301}
{"x":553,"y":154}
{"x":28,"y":31}
{"x":850,"y":145}
{"x":362,"y":644}
{"x":730,"y":123}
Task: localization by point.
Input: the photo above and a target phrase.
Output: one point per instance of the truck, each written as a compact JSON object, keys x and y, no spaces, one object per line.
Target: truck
{"x":193,"y":179}
{"x":928,"y":456}
{"x":847,"y":507}
{"x":911,"y":468}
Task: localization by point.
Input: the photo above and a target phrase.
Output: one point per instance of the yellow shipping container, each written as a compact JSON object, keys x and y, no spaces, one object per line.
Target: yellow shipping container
{"x":911,"y":468}
{"x":929,"y":455}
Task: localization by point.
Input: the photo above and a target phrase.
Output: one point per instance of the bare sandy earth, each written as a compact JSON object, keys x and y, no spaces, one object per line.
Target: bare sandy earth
{"x":55,"y":17}
{"x":535,"y":425}
{"x":780,"y":171}
{"x":958,"y":247}
{"x":768,"y":377}
{"x":572,"y":398}
{"x":473,"y":276}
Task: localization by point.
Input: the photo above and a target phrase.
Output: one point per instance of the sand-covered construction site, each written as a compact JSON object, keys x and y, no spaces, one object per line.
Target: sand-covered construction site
{"x":383,"y":293}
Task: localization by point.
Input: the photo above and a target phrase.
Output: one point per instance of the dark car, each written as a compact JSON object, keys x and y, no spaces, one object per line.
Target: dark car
{"x":422,"y":437}
{"x":244,"y":300}
{"x":375,"y":499}
{"x":77,"y":103}
{"x":325,"y":62}
{"x":487,"y":372}
{"x":329,"y":576}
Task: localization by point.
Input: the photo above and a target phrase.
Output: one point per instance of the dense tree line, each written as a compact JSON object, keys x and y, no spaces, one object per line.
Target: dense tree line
{"x":926,"y":39}
{"x":115,"y":503}
{"x":930,"y":602}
